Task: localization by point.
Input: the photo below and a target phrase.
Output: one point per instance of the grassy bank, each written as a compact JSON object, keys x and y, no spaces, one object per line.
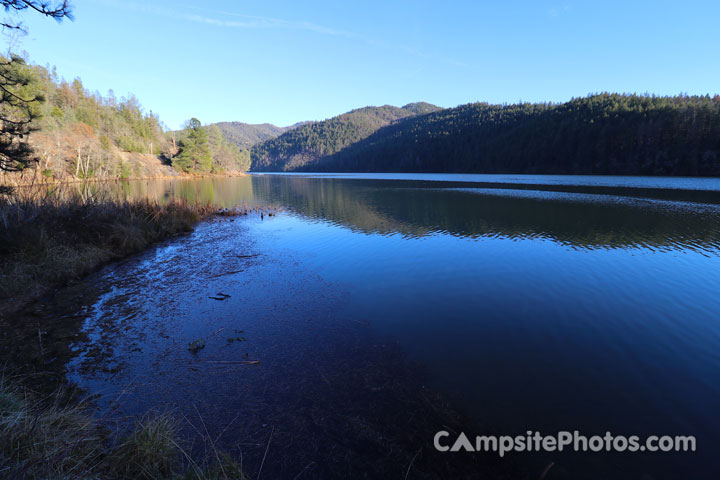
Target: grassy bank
{"x":47,"y":240}
{"x":15,"y":180}
{"x":55,"y":437}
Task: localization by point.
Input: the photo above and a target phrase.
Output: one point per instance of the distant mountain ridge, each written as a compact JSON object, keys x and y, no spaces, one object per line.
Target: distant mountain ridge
{"x":245,"y":135}
{"x":305,"y":145}
{"x":609,"y":134}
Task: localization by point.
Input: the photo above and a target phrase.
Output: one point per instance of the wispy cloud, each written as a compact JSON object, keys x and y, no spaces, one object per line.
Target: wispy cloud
{"x":225,"y":19}
{"x":254,"y":21}
{"x":556,"y":11}
{"x":220,"y":18}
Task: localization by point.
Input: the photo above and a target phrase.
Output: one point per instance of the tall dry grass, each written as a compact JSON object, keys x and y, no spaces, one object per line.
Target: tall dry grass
{"x":48,"y":239}
{"x":55,"y":437}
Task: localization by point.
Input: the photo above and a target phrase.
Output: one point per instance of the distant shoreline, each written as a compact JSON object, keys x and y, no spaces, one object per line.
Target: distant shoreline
{"x":178,"y":176}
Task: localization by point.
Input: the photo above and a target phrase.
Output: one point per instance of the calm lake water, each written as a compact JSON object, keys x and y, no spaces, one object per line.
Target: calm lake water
{"x":541,"y":303}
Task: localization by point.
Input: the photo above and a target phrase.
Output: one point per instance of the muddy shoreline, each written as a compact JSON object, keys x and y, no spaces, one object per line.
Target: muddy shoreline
{"x":334,"y":402}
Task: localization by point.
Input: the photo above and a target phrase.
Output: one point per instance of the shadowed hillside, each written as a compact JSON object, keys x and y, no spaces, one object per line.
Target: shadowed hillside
{"x":599,"y":134}
{"x":306,"y":145}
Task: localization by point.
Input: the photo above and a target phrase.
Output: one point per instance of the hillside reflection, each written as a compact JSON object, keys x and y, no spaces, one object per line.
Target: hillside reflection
{"x":416,"y":208}
{"x":578,"y":216}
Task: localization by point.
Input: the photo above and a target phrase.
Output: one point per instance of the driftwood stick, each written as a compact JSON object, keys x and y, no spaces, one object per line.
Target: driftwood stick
{"x":232,"y":362}
{"x":225,"y":273}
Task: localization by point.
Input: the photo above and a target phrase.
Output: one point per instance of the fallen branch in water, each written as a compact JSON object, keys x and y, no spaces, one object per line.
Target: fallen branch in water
{"x":266,"y":450}
{"x":220,"y":296}
{"x":224,"y":274}
{"x":547,"y":469}
{"x":231,"y":362}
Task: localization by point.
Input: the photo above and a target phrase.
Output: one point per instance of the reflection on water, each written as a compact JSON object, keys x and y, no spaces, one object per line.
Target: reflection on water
{"x":582,"y":215}
{"x":687,"y":184}
{"x":533,"y":304}
{"x":580,"y":220}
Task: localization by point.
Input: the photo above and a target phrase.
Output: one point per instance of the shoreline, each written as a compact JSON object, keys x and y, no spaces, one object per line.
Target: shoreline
{"x":339,"y":399}
{"x":179,"y":176}
{"x":33,"y":263}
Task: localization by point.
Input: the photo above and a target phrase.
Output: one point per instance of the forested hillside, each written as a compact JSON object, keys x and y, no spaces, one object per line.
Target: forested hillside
{"x":82,"y":134}
{"x":78,"y":134}
{"x":306,"y":144}
{"x":599,"y":134}
{"x":206,"y":149}
{"x":245,"y":135}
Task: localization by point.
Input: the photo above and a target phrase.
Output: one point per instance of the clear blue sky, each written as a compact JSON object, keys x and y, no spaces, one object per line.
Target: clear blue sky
{"x":286,"y":61}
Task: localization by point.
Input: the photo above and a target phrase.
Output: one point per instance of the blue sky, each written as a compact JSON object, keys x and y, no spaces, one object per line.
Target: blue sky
{"x":286,"y":61}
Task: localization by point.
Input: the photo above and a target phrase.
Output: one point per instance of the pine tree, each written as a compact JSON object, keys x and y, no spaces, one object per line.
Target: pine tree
{"x":194,"y":155}
{"x":20,"y":101}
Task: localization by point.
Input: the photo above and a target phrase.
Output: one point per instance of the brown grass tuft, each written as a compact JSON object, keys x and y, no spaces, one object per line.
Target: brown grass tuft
{"x":57,"y":437}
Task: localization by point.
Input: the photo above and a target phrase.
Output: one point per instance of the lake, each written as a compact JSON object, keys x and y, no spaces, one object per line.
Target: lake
{"x":383,"y":306}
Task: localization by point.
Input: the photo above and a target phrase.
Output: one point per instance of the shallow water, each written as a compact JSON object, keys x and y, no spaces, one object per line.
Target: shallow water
{"x":530,"y":302}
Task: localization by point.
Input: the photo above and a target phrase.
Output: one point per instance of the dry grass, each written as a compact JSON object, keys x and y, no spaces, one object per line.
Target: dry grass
{"x":55,"y":437}
{"x":149,"y":451}
{"x":47,"y":240}
{"x":53,"y":441}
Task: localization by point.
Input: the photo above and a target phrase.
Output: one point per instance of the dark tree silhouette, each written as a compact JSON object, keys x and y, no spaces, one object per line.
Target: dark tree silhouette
{"x":56,"y":10}
{"x":18,"y":108}
{"x":18,"y":101}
